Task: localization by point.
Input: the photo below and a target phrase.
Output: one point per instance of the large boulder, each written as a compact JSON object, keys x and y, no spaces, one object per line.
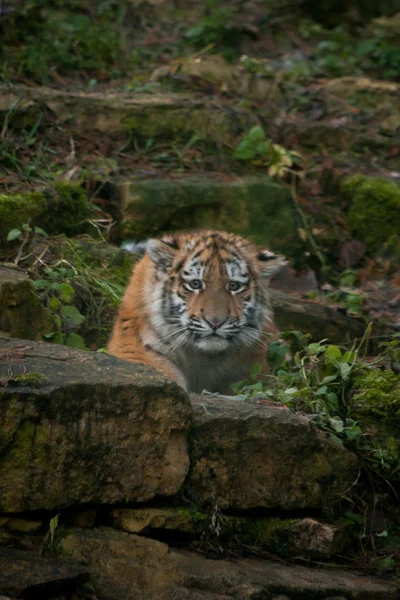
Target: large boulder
{"x":79,"y":427}
{"x":124,"y":565}
{"x":246,"y":455}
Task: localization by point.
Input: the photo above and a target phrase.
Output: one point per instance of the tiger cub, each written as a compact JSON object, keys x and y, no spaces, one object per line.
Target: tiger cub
{"x":197,"y":308}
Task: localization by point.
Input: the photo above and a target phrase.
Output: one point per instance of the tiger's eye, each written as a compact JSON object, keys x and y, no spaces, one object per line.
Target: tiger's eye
{"x":234,"y":286}
{"x":195,"y":284}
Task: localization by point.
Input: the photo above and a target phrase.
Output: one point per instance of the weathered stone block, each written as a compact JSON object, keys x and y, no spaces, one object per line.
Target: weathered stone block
{"x":245,"y":455}
{"x":80,"y":427}
{"x":124,"y":565}
{"x":256,"y":207}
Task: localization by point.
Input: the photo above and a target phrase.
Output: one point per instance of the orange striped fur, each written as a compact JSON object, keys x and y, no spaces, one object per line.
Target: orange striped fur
{"x":197,"y":308}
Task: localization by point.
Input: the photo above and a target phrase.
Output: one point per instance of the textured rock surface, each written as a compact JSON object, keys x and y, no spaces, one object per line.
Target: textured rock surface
{"x":294,"y":313}
{"x":21,"y":314}
{"x":148,"y":115}
{"x":255,"y":207}
{"x":308,"y":538}
{"x":115,"y":431}
{"x":134,"y":520}
{"x":245,"y":456}
{"x":125,"y":566}
{"x":27,"y":575}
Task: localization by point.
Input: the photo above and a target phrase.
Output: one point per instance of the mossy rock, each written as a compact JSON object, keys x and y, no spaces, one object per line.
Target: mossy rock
{"x":63,"y":208}
{"x":17,"y":209}
{"x":375,"y":403}
{"x":306,"y":537}
{"x":157,"y":115}
{"x":255,"y":207}
{"x":21,"y":314}
{"x":374,"y":213}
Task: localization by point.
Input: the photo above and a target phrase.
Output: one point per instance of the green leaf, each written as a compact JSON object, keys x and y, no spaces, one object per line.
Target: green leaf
{"x":256,"y":134}
{"x":14,"y":234}
{"x":257,"y":387}
{"x":332,"y":401}
{"x":332,"y":353}
{"x":321,"y":391}
{"x":255,"y":371}
{"x":57,"y":321}
{"x":329,"y":378}
{"x":53,"y":527}
{"x":349,"y":357}
{"x":195,"y":31}
{"x":315,"y":348}
{"x":337,"y":424}
{"x":276,"y":353}
{"x":245,"y":151}
{"x":40,"y":231}
{"x":335,"y":439}
{"x":345,"y":371}
{"x":65,"y":290}
{"x":40,"y":284}
{"x":54,"y":303}
{"x":76,"y":341}
{"x":239,"y":385}
{"x":354,"y":433}
{"x":71,"y":313}
{"x":382,"y":534}
{"x":67,"y":293}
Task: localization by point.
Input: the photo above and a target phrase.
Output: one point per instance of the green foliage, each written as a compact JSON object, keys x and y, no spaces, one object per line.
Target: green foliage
{"x":338,"y":53}
{"x":18,"y":234}
{"x":44,"y":37}
{"x":214,"y":28}
{"x":328,"y":381}
{"x":257,"y":149}
{"x":58,"y":294}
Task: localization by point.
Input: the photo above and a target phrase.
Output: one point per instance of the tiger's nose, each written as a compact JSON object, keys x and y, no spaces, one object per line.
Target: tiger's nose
{"x":215,"y":322}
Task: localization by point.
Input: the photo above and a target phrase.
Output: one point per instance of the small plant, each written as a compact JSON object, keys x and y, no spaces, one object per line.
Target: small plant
{"x":260,"y":151}
{"x":59,"y":294}
{"x":51,"y":541}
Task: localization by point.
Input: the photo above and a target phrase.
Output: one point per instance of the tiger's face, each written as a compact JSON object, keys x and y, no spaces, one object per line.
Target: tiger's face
{"x":210,"y":290}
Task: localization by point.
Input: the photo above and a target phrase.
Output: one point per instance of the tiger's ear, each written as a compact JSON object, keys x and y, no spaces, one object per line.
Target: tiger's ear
{"x":162,"y":252}
{"x":270,"y":263}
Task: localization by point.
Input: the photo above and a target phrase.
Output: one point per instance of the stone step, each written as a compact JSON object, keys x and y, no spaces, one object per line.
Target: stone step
{"x":27,"y":575}
{"x":256,"y":207}
{"x":356,"y":112}
{"x":125,"y":565}
{"x":117,"y":432}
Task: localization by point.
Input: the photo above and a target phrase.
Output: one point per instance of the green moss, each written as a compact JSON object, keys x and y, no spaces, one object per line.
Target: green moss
{"x":17,"y":209}
{"x":68,"y":208}
{"x":255,"y":207}
{"x":377,"y":394}
{"x":30,"y":379}
{"x":192,"y":516}
{"x":260,"y":532}
{"x":63,"y":208}
{"x":374,"y":213}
